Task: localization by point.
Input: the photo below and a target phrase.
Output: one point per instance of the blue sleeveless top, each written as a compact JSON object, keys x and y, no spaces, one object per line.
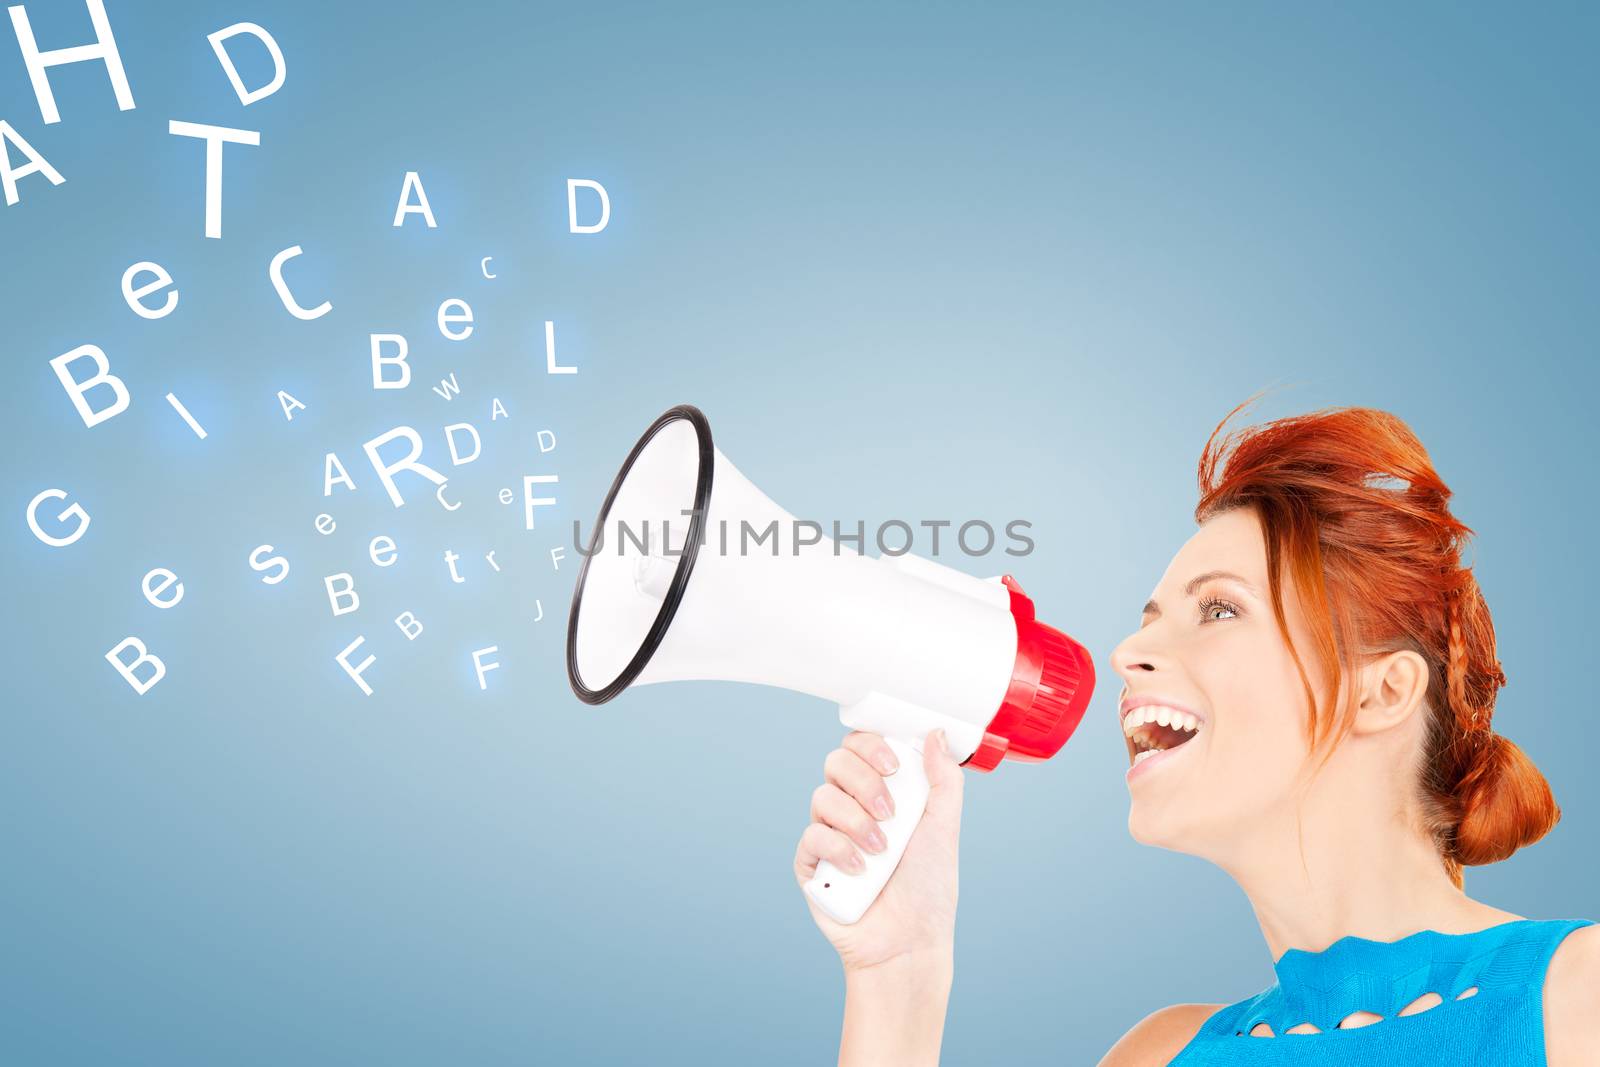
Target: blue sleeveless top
{"x":1501,"y":1025}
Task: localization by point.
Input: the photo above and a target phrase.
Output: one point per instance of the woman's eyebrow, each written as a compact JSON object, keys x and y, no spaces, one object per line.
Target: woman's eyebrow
{"x":1152,"y":608}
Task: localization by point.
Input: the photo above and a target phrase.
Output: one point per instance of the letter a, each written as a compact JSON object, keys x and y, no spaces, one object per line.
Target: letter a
{"x":330,"y":464}
{"x":405,"y":207}
{"x":36,"y":164}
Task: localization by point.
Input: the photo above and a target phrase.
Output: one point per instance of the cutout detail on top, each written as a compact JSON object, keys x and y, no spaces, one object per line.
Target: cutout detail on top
{"x":1422,"y":1003}
{"x":1356,"y":1019}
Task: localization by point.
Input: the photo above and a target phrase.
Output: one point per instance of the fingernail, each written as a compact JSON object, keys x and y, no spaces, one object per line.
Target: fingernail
{"x":880,"y":805}
{"x":855,"y":863}
{"x":876,"y":840}
{"x":938,"y":738}
{"x":887,"y":763}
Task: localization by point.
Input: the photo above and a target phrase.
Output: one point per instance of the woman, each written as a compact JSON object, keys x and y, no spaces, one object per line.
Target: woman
{"x":1307,"y":704}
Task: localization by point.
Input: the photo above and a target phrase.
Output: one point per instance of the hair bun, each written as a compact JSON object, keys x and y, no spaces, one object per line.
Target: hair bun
{"x":1355,"y":517}
{"x":1505,"y":804}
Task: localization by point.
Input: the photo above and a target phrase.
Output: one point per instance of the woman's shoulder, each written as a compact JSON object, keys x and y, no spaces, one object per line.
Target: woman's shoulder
{"x":1572,"y":1000}
{"x":1159,"y":1036}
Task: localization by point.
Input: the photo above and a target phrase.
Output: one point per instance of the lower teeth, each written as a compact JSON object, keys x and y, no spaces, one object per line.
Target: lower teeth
{"x":1146,"y":754}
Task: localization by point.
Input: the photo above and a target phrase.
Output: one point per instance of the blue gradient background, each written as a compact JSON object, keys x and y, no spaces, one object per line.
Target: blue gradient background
{"x":920,"y":261}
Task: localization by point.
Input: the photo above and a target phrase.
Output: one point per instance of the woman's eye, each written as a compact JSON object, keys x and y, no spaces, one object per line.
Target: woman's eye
{"x":1210,"y":607}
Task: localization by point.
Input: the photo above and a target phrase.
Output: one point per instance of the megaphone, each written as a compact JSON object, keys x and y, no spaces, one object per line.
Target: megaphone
{"x":903,"y":645}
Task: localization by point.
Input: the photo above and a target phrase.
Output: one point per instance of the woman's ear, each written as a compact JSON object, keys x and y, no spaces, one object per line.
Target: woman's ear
{"x":1392,"y":688}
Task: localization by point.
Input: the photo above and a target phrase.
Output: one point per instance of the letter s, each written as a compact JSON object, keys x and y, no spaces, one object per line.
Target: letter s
{"x":1024,"y":539}
{"x":258,"y":564}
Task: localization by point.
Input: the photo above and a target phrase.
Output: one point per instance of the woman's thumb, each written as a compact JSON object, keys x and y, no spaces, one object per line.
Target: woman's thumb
{"x":945,"y":780}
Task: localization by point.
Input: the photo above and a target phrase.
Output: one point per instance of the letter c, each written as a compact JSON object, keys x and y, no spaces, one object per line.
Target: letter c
{"x":275,"y":272}
{"x":485,"y":267}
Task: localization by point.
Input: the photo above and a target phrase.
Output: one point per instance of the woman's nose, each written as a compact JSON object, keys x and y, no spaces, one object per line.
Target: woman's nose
{"x":1134,"y":655}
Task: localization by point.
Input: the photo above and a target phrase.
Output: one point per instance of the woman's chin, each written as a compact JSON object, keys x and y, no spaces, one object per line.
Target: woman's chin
{"x":1143,"y":833}
{"x":1148,"y":825}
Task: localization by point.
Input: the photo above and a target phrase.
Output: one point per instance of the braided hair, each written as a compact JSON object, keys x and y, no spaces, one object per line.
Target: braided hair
{"x":1356,"y":518}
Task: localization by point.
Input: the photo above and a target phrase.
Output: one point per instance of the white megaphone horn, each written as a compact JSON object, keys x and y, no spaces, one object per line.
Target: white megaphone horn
{"x":902,"y":644}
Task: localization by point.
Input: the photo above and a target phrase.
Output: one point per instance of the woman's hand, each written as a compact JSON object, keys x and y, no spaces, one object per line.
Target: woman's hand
{"x":914,"y":917}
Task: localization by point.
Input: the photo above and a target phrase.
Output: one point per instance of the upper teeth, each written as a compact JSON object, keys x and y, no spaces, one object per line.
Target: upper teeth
{"x":1163,"y":716}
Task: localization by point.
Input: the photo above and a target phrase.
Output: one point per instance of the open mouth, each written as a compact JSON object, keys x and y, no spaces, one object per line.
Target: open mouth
{"x":1153,"y":728}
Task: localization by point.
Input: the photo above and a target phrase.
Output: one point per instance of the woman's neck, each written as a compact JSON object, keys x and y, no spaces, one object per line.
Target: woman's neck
{"x":1348,"y":863}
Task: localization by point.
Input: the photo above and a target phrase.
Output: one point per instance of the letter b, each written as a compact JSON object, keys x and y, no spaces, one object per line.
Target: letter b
{"x":130,"y":669}
{"x":102,"y":376}
{"x":337,"y":595}
{"x":379,"y":360}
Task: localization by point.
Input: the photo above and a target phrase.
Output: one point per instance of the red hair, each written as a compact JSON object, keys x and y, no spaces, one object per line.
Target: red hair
{"x":1356,"y":518}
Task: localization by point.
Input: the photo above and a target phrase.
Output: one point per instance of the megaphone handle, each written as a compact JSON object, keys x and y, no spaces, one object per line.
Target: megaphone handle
{"x":846,"y":897}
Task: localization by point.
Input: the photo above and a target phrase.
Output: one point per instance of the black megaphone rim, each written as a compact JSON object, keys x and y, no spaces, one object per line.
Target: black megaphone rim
{"x":680,"y":578}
